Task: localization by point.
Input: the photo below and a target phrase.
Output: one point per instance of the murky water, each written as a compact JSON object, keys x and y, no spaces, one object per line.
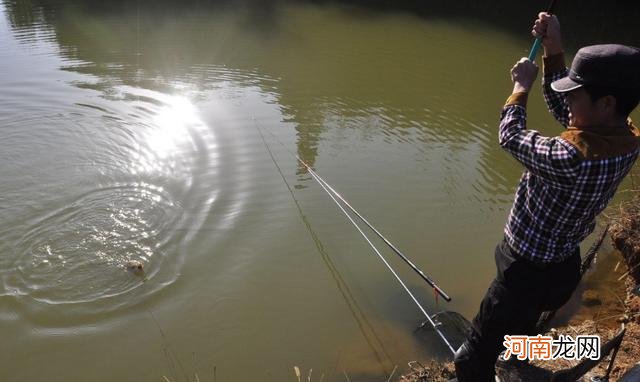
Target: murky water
{"x":131,"y":131}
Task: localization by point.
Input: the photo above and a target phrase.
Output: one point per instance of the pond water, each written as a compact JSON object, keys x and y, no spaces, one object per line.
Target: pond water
{"x":130,"y":131}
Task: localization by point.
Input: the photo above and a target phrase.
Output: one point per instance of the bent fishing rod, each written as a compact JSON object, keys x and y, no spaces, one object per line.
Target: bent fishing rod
{"x":325,"y":187}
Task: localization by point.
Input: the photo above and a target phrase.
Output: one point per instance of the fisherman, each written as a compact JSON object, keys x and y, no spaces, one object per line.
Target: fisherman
{"x":567,"y":181}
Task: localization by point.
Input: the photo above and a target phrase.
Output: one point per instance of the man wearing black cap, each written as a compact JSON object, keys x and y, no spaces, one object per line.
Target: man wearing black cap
{"x":567,"y":181}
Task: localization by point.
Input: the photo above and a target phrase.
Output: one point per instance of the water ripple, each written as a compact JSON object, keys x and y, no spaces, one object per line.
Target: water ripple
{"x":77,"y":253}
{"x":131,"y":186}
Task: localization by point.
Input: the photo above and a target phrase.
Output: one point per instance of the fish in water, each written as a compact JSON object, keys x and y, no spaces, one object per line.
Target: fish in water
{"x":136,"y":267}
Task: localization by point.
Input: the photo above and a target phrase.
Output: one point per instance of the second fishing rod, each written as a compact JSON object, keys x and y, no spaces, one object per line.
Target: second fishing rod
{"x":436,"y":325}
{"x":336,"y":195}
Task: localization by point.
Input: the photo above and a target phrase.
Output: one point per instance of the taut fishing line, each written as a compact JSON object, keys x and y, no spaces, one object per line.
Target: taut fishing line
{"x":363,"y":323}
{"x":333,"y":194}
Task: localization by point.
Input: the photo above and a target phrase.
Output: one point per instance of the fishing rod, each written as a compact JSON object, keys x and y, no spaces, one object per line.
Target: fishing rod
{"x":351,"y":302}
{"x":325,"y":187}
{"x":436,"y":327}
{"x":331,"y":191}
{"x":381,"y":236}
{"x":538,"y":41}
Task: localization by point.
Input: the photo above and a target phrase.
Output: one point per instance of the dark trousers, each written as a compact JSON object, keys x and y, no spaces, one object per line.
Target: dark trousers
{"x":521,"y":291}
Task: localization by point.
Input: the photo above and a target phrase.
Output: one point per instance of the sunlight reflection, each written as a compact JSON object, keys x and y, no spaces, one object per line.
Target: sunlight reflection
{"x":172,"y":126}
{"x":172,"y":142}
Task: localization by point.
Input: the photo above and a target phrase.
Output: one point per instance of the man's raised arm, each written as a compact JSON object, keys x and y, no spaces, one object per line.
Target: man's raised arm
{"x":554,"y":68}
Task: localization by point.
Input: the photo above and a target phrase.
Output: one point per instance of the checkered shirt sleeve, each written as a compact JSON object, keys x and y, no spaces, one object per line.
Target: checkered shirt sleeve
{"x":551,"y":158}
{"x":556,"y":102}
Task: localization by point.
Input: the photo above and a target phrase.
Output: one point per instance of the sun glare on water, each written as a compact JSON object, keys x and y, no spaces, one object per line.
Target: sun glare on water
{"x":172,"y":126}
{"x":170,"y":140}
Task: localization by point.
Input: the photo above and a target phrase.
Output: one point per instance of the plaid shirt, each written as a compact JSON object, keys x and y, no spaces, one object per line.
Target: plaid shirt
{"x":561,"y":191}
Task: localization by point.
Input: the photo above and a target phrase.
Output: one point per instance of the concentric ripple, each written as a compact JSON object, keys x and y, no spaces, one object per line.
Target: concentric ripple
{"x":103,"y":192}
{"x":79,"y":252}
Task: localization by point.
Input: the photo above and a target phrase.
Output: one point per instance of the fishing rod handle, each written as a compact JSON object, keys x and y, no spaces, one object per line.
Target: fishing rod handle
{"x":535,"y":48}
{"x":538,"y":42}
{"x":442,"y":293}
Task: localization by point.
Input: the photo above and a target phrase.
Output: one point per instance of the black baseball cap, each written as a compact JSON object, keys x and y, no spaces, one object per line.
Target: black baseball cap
{"x":608,"y":65}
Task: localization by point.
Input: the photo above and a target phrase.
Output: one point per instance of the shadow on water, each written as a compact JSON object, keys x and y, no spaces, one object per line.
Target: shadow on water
{"x":584,"y":21}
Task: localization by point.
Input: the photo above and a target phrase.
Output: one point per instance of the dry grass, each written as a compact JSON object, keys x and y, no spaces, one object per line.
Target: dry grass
{"x":433,"y":371}
{"x":627,"y":356}
{"x":625,"y":233}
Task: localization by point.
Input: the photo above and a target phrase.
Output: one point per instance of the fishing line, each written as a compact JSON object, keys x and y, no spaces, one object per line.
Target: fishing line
{"x":330,"y":190}
{"x":436,"y":288}
{"x":357,"y":313}
{"x":327,"y":189}
{"x":385,"y":263}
